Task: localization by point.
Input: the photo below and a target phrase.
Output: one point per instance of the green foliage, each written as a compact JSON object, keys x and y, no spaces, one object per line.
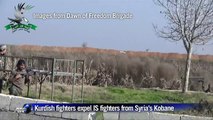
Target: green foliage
{"x":94,"y":94}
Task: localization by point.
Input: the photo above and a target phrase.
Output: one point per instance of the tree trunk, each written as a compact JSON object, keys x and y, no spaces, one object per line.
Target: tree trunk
{"x":187,"y":70}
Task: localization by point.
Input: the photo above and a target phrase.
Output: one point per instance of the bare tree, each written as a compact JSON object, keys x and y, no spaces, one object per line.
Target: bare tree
{"x":189,"y":21}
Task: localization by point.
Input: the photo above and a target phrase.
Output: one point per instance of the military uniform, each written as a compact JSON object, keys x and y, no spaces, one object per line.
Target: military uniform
{"x":2,"y":74}
{"x":16,"y":85}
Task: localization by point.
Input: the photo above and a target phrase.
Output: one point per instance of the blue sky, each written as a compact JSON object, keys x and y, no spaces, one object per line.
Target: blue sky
{"x":135,"y":34}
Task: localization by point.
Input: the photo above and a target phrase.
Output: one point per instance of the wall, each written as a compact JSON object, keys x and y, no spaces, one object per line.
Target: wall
{"x":8,"y":105}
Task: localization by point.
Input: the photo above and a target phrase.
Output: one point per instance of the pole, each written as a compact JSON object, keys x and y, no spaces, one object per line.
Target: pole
{"x":5,"y":63}
{"x":28,"y":83}
{"x":73,"y":83}
{"x":82,"y":85}
{"x":39,"y":96}
{"x":52,"y":75}
{"x":28,"y":88}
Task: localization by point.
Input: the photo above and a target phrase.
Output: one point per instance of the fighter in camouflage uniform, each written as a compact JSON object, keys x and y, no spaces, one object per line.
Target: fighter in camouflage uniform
{"x":18,"y":80}
{"x":2,"y":66}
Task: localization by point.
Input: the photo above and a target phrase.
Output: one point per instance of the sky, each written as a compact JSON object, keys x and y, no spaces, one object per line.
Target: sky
{"x":135,"y":34}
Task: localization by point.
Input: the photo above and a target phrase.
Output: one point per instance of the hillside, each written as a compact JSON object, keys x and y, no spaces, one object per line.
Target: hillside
{"x":88,"y":50}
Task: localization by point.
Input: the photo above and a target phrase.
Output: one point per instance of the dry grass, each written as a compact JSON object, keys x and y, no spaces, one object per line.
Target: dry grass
{"x":63,"y":92}
{"x":54,"y":49}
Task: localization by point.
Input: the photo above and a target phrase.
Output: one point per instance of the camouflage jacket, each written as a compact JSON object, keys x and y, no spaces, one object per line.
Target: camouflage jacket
{"x":20,"y":81}
{"x":3,"y":75}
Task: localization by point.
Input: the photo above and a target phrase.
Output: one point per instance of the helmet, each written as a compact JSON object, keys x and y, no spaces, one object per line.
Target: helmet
{"x":3,"y":47}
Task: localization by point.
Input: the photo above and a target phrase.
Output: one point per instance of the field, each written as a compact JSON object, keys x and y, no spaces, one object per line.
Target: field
{"x":129,"y":69}
{"x":94,"y":94}
{"x":140,"y":71}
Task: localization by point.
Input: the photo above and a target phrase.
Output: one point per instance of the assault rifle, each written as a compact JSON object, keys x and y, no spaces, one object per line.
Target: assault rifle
{"x":36,"y":71}
{"x":28,"y":71}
